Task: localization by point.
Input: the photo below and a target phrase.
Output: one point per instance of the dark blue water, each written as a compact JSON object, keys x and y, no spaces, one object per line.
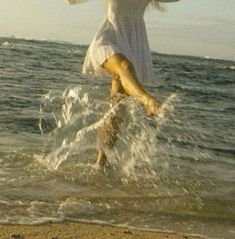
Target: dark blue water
{"x":171,"y":173}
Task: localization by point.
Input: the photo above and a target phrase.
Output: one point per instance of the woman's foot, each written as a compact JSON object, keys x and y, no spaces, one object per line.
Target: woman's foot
{"x":152,"y":106}
{"x":101,"y":158}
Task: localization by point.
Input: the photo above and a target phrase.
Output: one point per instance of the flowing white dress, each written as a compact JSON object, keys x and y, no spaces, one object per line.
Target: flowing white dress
{"x":122,"y":31}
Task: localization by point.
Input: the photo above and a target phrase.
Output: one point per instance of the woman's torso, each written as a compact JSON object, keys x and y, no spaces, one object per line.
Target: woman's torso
{"x":132,"y":8}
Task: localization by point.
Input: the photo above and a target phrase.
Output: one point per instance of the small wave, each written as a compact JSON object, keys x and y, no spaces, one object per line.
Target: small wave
{"x":7,"y":44}
{"x":18,"y":46}
{"x":77,"y":51}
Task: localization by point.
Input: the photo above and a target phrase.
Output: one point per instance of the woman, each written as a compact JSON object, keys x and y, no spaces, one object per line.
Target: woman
{"x":120,"y":48}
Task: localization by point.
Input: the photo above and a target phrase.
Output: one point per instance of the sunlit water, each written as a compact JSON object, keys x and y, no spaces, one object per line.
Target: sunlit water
{"x":174,"y":172}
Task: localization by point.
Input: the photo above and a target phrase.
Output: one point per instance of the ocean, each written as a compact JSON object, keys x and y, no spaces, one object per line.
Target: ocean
{"x":173,"y":172}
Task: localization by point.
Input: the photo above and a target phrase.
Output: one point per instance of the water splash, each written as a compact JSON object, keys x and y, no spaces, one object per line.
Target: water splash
{"x":77,"y":118}
{"x":142,"y":158}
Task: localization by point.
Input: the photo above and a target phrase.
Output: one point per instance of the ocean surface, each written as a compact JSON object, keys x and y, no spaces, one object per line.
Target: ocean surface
{"x":174,"y":172}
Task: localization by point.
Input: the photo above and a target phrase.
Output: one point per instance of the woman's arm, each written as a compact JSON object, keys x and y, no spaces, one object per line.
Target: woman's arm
{"x":75,"y":1}
{"x":168,"y":0}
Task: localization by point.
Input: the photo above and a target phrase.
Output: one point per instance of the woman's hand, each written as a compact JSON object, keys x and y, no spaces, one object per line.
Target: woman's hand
{"x":168,"y":0}
{"x":75,"y":1}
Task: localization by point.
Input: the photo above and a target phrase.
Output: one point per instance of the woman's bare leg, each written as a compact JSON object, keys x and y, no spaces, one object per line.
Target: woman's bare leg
{"x":119,"y":65}
{"x":124,"y":81}
{"x":107,"y":135}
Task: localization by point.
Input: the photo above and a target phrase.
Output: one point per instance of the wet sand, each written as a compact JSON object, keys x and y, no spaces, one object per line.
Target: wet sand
{"x":74,"y":230}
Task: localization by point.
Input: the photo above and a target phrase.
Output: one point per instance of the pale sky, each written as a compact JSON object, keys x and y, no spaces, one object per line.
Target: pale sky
{"x":187,"y":27}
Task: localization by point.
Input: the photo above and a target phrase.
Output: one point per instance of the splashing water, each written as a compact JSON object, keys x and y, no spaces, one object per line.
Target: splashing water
{"x":77,"y":119}
{"x":139,"y":159}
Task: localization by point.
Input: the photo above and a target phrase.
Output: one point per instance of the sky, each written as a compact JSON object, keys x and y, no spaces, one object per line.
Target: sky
{"x":187,"y":27}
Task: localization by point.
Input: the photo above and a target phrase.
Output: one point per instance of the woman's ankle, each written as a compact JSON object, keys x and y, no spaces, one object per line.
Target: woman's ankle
{"x":101,"y":158}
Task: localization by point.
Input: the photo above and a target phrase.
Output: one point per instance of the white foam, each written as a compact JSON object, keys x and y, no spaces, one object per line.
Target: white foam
{"x":7,"y":44}
{"x":77,"y":127}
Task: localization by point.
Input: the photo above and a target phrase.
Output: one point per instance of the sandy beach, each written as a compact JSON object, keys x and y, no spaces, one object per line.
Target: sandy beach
{"x":74,"y":230}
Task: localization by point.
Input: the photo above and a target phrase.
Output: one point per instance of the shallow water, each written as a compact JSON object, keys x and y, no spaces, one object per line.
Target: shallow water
{"x":174,"y":172}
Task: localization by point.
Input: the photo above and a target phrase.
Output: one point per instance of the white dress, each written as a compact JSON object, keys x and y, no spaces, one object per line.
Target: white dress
{"x":122,"y":31}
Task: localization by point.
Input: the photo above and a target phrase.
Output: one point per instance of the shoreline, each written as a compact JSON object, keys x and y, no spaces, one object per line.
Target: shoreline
{"x":83,"y":230}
